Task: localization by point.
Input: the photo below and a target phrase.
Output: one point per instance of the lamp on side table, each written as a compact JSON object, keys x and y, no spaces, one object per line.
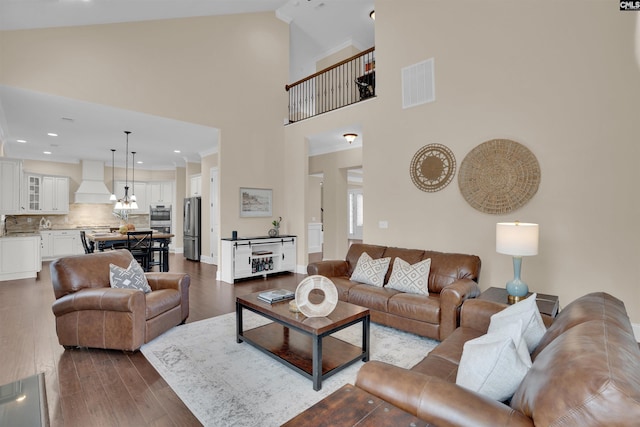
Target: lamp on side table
{"x":517,"y":239}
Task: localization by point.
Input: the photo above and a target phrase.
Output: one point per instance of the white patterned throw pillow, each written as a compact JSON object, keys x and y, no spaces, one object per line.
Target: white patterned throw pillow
{"x":413,"y":279}
{"x":533,"y":327}
{"x":370,"y":271}
{"x":130,"y":278}
{"x":495,"y":364}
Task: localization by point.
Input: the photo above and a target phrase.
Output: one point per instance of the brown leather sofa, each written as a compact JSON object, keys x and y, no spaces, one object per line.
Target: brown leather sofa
{"x":452,"y":279}
{"x":89,"y":313}
{"x":586,"y":372}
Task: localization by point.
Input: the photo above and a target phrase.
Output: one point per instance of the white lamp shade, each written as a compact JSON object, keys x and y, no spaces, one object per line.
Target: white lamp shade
{"x":517,"y":238}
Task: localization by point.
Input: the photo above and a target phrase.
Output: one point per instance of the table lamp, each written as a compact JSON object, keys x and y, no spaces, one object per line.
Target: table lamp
{"x":517,"y":239}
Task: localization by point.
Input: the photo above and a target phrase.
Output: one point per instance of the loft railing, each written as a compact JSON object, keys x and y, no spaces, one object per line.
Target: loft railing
{"x":337,"y":86}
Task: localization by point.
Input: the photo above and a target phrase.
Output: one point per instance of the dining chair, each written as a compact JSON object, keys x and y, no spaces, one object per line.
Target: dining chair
{"x":140,"y":244}
{"x":85,"y":245}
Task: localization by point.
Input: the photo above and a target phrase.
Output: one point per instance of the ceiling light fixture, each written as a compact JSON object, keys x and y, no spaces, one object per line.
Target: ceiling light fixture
{"x":126,"y":203}
{"x":372,"y":15}
{"x":350,"y":137}
{"x":21,"y":141}
{"x":52,"y":134}
{"x":46,"y":152}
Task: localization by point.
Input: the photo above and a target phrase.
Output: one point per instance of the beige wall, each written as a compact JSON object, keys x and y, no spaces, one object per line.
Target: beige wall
{"x":184,"y":69}
{"x":334,"y":58}
{"x":560,"y":78}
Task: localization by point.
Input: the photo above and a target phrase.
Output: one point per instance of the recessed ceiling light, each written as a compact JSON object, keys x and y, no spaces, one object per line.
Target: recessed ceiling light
{"x":372,"y":15}
{"x":52,"y":134}
{"x":139,"y":162}
{"x":21,"y":141}
{"x":176,"y":151}
{"x":47,"y":152}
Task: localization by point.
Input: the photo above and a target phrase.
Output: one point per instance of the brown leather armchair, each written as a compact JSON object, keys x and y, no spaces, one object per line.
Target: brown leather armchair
{"x":89,"y":313}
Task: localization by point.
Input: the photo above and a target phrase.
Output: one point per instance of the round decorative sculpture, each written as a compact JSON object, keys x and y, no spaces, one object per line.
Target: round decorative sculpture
{"x":432,"y":167}
{"x":327,"y":305}
{"x":499,"y":176}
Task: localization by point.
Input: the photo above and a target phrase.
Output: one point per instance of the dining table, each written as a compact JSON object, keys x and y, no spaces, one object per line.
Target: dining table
{"x":101,"y":241}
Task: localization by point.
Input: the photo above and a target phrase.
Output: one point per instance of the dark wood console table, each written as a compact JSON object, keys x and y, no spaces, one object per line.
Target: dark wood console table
{"x":547,"y":304}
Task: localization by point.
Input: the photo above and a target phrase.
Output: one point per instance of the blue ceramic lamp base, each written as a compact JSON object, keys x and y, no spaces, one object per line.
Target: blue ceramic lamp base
{"x":517,"y":290}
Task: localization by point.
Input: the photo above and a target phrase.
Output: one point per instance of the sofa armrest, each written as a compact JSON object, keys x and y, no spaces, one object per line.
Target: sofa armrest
{"x":329,"y":268}
{"x":102,"y":299}
{"x":177,"y":281}
{"x":435,"y":400}
{"x":451,"y":299}
{"x":476,"y":313}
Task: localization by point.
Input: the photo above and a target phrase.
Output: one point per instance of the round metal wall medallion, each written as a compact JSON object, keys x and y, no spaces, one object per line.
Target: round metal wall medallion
{"x":432,"y":167}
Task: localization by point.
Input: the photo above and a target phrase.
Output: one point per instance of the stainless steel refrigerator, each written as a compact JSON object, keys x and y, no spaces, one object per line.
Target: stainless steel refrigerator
{"x":191,"y":230}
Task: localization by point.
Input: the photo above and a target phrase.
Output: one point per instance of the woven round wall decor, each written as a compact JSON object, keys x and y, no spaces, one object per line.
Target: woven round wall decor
{"x":432,"y":167}
{"x":499,"y":176}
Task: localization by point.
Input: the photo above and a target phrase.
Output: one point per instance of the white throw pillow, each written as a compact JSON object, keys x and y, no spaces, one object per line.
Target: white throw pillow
{"x":370,"y":271}
{"x":413,"y":279}
{"x":532,"y":325}
{"x":130,"y":278}
{"x":495,"y":364}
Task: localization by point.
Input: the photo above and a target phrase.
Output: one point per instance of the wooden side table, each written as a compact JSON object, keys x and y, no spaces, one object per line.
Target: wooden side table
{"x":547,"y":304}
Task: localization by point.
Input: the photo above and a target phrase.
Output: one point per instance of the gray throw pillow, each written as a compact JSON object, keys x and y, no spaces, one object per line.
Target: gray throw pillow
{"x":130,"y":278}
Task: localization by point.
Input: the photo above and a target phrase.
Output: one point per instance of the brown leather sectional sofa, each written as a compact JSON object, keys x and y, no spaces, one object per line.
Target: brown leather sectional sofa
{"x":586,"y":372}
{"x":452,"y":279}
{"x":89,"y":313}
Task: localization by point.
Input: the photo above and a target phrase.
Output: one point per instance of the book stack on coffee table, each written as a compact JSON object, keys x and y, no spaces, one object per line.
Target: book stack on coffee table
{"x":276,"y":295}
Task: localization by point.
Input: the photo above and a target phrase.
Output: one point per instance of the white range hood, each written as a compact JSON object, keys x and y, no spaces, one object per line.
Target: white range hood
{"x":92,"y":188}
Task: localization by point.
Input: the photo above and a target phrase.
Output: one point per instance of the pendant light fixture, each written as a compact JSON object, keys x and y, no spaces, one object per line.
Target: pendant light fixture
{"x":126,"y":203}
{"x":133,"y":176}
{"x":113,"y":197}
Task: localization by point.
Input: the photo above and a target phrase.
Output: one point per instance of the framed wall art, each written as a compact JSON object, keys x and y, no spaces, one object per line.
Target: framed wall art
{"x":256,"y":202}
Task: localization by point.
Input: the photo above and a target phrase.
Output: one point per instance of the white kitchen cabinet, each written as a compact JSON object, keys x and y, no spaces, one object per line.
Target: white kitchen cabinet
{"x":59,"y":243}
{"x":46,"y":194}
{"x":20,"y":257}
{"x":257,"y":256}
{"x":55,"y":194}
{"x":196,"y":185}
{"x":160,"y":193}
{"x":10,"y":185}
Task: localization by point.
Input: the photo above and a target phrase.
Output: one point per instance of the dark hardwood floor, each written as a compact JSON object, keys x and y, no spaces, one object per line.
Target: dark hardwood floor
{"x":92,"y":387}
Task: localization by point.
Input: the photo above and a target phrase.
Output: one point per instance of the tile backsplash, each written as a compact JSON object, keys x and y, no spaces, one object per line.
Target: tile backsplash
{"x":80,"y":216}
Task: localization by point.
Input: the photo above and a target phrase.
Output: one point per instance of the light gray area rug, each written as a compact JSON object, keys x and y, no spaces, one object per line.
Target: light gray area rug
{"x":229,"y":384}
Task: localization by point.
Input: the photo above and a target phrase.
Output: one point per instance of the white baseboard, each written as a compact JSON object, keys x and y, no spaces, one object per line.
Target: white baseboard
{"x":207,"y":260}
{"x":636,"y":330}
{"x":301,"y":269}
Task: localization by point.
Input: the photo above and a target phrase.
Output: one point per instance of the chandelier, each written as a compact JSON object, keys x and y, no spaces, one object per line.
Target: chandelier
{"x":127,"y":202}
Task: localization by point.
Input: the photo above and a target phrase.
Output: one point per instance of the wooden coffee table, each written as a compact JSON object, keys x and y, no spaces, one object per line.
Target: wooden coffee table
{"x":301,"y":343}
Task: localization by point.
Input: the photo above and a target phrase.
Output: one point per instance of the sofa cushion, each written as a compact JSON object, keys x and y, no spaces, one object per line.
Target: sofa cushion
{"x":370,"y":271}
{"x":416,"y":307}
{"x":343,"y":284}
{"x":495,"y":364}
{"x":577,"y":312}
{"x":411,"y":256}
{"x":588,"y":376}
{"x":357,"y":249}
{"x":131,"y":277}
{"x":412,"y":278}
{"x":527,"y":311}
{"x":371,"y":296}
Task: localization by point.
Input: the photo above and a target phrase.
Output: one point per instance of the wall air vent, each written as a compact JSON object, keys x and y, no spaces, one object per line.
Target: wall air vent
{"x":418,"y":85}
